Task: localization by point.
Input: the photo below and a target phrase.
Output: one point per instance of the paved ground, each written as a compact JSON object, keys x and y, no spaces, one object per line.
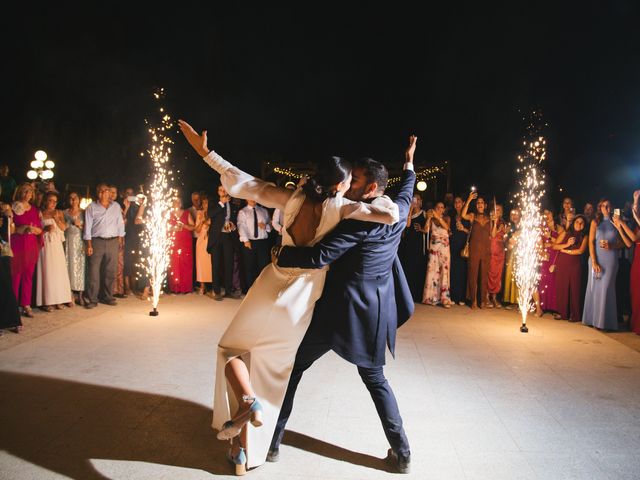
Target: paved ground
{"x":114,"y":393}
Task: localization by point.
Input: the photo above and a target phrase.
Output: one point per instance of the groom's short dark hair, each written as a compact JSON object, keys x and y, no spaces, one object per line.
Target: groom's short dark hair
{"x":375,"y":172}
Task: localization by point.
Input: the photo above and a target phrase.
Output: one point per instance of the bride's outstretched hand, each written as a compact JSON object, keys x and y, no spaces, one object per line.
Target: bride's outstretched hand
{"x":408,"y":154}
{"x":198,"y":142}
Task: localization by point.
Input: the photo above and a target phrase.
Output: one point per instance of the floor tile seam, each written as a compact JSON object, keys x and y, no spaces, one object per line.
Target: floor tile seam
{"x":462,"y":469}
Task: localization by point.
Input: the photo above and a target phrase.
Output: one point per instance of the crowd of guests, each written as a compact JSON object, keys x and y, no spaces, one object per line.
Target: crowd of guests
{"x":457,"y":251}
{"x":461,"y":251}
{"x":56,"y":254}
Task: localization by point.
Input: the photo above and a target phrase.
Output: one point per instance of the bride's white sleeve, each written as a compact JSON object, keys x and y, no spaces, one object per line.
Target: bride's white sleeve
{"x":381,"y":210}
{"x":240,"y":184}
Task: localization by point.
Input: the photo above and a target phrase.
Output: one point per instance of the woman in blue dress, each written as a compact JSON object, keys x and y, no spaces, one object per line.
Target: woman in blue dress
{"x":600,"y":300}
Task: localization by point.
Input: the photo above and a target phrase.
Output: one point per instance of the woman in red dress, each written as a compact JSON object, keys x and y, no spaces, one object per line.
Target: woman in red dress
{"x":181,"y":266}
{"x":635,"y":267}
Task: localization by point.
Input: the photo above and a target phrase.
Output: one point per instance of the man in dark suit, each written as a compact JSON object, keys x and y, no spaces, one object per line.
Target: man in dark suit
{"x":366,"y":298}
{"x":221,"y":244}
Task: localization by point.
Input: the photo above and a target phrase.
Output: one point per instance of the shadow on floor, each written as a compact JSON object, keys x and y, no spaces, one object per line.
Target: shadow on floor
{"x":61,"y":425}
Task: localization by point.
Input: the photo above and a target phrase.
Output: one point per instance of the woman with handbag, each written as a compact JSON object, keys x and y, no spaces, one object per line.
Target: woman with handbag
{"x":459,"y":247}
{"x":9,"y":313}
{"x":479,"y":252}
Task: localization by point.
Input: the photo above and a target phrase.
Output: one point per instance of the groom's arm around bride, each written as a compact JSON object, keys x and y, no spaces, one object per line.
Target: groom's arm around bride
{"x":365,"y":299}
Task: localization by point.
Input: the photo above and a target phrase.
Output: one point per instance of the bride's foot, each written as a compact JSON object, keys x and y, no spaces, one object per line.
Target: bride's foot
{"x":238,"y":457}
{"x":251,"y":411}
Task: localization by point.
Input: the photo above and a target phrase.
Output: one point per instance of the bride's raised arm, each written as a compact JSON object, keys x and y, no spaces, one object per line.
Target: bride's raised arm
{"x":237,"y":183}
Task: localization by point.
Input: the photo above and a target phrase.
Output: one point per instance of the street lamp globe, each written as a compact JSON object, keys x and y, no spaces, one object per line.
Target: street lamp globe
{"x":41,"y":155}
{"x":32,"y":174}
{"x":49,"y":164}
{"x":421,"y":186}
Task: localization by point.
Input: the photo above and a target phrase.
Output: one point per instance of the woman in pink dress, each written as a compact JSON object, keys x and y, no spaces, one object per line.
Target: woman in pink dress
{"x":203,"y":258}
{"x":181,"y":267}
{"x":25,"y":243}
{"x":496,"y":264}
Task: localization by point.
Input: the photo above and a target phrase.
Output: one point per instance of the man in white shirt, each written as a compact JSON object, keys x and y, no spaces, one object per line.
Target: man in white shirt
{"x":254,"y":225}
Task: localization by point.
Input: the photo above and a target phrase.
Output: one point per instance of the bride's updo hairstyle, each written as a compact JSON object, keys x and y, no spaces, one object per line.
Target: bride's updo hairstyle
{"x":330,"y":172}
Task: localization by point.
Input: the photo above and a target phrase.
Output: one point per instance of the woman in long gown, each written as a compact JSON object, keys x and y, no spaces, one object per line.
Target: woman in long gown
{"x":479,"y":252}
{"x":510,"y":293}
{"x":74,"y":247}
{"x":460,"y":231}
{"x":26,"y":244}
{"x":413,"y":251}
{"x":9,"y":312}
{"x":600,"y":308}
{"x":257,"y":351}
{"x":547,"y":284}
{"x":436,"y":285}
{"x":52,"y":278}
{"x":203,"y":258}
{"x":571,"y":245}
{"x":181,"y":261}
{"x":635,"y":268}
{"x":496,"y":265}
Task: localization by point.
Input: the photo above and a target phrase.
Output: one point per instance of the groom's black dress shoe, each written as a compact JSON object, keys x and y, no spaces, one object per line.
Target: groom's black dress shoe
{"x":401,"y":462}
{"x":274,"y":455}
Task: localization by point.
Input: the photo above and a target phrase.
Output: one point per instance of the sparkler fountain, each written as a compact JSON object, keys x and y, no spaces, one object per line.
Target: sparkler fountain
{"x":528,"y":251}
{"x":156,"y":236}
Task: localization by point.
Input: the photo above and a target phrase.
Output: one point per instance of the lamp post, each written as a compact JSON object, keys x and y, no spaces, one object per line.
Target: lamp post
{"x":41,"y":167}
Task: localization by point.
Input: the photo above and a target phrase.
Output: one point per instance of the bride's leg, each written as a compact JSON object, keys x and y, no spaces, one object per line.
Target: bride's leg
{"x":237,"y":374}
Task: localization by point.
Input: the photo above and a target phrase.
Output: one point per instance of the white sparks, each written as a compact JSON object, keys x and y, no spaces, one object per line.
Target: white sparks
{"x":157,"y":236}
{"x":528,"y":251}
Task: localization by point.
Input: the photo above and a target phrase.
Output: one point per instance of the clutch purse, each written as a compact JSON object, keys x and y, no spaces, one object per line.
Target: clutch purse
{"x":5,"y":250}
{"x":465,"y":250}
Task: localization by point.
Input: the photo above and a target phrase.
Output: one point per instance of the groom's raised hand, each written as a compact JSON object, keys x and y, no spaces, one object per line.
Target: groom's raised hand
{"x":198,"y":142}
{"x":408,"y":154}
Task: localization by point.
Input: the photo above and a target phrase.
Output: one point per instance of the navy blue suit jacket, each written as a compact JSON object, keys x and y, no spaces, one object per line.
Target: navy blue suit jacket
{"x":366,"y":296}
{"x":218,"y":214}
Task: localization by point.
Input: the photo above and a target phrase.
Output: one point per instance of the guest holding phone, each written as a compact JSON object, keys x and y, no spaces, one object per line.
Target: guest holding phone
{"x":600,"y":309}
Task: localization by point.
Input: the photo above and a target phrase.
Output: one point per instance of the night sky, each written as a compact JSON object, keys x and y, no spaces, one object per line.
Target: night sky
{"x":293,"y":85}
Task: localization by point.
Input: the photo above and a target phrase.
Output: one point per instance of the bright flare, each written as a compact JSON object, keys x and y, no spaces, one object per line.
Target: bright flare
{"x":157,"y":238}
{"x":529,"y":248}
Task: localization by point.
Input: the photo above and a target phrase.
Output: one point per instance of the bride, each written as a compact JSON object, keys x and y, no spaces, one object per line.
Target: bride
{"x":257,"y":351}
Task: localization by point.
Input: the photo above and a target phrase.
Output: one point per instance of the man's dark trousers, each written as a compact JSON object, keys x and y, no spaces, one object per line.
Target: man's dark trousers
{"x":102,"y":269}
{"x":222,"y":263}
{"x":310,"y":350}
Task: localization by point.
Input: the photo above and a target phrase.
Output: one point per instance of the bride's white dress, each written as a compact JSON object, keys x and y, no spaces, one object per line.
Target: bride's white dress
{"x":275,"y":314}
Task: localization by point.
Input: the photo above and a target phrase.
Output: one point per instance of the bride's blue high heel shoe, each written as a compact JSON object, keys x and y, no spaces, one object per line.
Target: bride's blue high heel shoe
{"x":239,"y":460}
{"x":232,"y":428}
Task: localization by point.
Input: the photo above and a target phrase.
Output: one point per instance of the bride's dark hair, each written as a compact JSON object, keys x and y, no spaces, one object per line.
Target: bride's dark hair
{"x":329,"y":173}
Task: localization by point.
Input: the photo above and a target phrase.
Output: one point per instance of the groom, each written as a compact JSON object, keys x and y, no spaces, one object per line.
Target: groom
{"x":365,"y":299}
